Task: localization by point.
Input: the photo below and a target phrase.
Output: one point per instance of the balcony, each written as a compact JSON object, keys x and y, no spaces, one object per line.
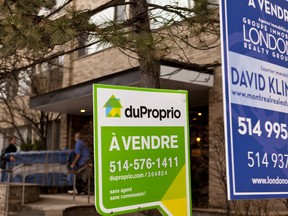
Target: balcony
{"x":47,"y":81}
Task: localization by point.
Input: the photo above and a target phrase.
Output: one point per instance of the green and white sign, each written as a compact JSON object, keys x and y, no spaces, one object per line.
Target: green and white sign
{"x":141,"y":150}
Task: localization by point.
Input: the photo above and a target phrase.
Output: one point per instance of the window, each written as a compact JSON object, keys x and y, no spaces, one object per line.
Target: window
{"x":53,"y":135}
{"x":1,"y":142}
{"x":101,"y":19}
{"x":48,"y":76}
{"x":24,"y":83}
{"x":16,"y":84}
{"x":180,"y":3}
{"x":57,"y":4}
{"x":161,"y":17}
{"x":214,"y":3}
{"x":120,"y":12}
{"x":11,"y":86}
{"x":26,"y":132}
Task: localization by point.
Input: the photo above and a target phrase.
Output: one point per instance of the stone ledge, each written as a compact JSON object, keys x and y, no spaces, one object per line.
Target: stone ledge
{"x":32,"y":194}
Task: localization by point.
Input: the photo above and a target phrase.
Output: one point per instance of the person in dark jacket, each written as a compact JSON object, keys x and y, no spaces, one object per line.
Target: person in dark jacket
{"x":6,"y":158}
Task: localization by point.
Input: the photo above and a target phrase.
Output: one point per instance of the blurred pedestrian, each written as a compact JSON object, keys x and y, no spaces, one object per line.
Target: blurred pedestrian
{"x":80,"y":158}
{"x":7,"y":158}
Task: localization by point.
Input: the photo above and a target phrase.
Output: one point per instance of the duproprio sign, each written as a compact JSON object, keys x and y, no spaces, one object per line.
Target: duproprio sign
{"x":141,"y":150}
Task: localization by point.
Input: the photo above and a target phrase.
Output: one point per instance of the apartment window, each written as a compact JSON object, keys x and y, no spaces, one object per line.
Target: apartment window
{"x":120,"y":11}
{"x":53,"y":136}
{"x":2,"y":145}
{"x":162,"y":17}
{"x":24,"y":83}
{"x":16,"y":84}
{"x":11,"y":87}
{"x":46,"y":11}
{"x":48,"y":76}
{"x":101,"y":19}
{"x":214,"y":3}
{"x":23,"y":131}
{"x":181,"y":3}
{"x":32,"y":139}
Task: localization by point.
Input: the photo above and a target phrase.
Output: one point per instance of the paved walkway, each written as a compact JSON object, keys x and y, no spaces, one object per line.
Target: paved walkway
{"x":52,"y":202}
{"x":56,"y":204}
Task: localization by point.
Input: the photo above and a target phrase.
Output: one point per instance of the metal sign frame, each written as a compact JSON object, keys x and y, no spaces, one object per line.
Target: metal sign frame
{"x":255,"y":95}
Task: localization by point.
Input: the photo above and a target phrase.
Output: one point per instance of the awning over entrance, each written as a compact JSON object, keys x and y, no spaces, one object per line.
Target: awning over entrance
{"x":78,"y":97}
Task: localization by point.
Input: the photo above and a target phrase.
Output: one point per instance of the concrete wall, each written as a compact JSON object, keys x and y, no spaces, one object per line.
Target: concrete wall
{"x":32,"y":194}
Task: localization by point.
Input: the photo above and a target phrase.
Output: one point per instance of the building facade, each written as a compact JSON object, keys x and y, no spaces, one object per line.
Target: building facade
{"x":68,"y":91}
{"x":108,"y":65}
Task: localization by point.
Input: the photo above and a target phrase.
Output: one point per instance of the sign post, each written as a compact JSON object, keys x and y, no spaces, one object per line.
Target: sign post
{"x":141,"y":150}
{"x":255,"y":80}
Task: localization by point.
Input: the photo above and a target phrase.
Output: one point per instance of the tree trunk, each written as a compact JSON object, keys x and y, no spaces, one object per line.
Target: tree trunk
{"x":145,"y":47}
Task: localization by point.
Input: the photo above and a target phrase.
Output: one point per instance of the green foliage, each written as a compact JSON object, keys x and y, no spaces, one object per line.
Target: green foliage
{"x":202,"y":9}
{"x":60,"y":31}
{"x":32,"y":30}
{"x":23,"y":28}
{"x":30,"y":146}
{"x":19,"y":33}
{"x":31,"y":7}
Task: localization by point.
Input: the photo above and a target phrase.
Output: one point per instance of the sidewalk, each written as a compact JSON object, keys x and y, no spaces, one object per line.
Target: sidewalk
{"x":60,"y":201}
{"x":59,"y":204}
{"x":63,"y":205}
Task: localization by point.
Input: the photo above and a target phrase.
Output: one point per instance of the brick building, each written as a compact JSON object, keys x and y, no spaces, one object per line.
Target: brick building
{"x":69,"y":91}
{"x":110,"y":66}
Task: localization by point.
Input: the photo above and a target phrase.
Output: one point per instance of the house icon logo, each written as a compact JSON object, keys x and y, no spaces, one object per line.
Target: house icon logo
{"x":113,"y":107}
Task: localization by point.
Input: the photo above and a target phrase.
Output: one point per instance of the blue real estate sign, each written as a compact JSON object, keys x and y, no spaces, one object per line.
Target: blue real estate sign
{"x":255,"y":80}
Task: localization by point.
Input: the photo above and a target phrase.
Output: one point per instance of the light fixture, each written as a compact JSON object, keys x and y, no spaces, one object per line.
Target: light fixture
{"x":198,"y":139}
{"x":199,"y":114}
{"x":82,"y":110}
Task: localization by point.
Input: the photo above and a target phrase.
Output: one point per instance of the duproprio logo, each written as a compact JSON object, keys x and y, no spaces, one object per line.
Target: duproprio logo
{"x":143,"y":111}
{"x":113,"y":107}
